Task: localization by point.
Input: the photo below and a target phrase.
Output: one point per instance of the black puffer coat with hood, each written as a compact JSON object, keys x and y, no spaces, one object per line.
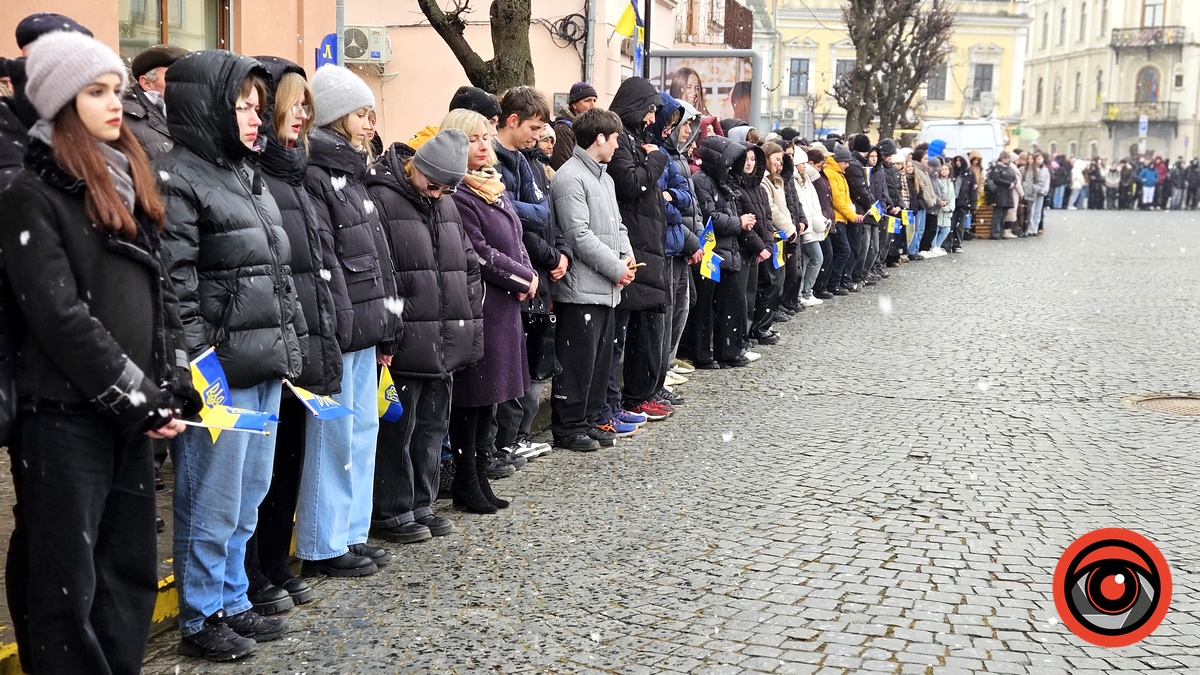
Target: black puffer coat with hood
{"x":315,"y":267}
{"x":436,"y":273}
{"x":635,"y":174}
{"x":334,"y":180}
{"x":717,"y":197}
{"x":753,"y":200}
{"x":225,"y":247}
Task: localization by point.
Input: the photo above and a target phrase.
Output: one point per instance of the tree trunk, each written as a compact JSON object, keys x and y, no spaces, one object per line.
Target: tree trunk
{"x":512,"y":64}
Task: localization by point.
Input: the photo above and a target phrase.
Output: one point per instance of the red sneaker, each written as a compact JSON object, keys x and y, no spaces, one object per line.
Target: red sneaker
{"x":653,"y":410}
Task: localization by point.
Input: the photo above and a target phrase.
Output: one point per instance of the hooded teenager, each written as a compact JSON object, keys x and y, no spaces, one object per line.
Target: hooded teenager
{"x":635,"y":168}
{"x":98,"y":374}
{"x":288,"y":118}
{"x":675,"y":125}
{"x":230,"y":260}
{"x":713,"y":336}
{"x":781,"y":216}
{"x":757,"y":244}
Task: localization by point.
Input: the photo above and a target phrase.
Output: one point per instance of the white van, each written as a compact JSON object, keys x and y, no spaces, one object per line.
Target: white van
{"x":988,"y":137}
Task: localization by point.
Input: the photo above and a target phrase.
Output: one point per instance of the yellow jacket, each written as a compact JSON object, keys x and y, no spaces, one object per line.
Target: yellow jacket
{"x":843,"y":207}
{"x":422,"y":136}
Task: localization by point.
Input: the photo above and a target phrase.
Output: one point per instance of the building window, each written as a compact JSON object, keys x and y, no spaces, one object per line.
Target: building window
{"x":1152,"y":13}
{"x":1078,"y":92}
{"x":1072,"y":148}
{"x":798,"y":78}
{"x":1179,"y":80}
{"x":1099,"y":88}
{"x":1093,"y":149}
{"x":1062,"y":27}
{"x":1053,"y":147}
{"x":1082,"y":22}
{"x":1147,"y":85}
{"x":982,"y":76}
{"x":1037,"y":97}
{"x":1056,"y":99}
{"x":1103,"y":18}
{"x":191,"y":24}
{"x":1045,"y":29}
{"x":935,"y":88}
{"x":842,"y":69}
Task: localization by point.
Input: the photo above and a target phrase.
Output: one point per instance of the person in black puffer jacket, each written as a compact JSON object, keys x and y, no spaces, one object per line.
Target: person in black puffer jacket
{"x":757,"y":243}
{"x":333,"y":516}
{"x":635,"y":168}
{"x":316,"y":273}
{"x":890,"y":246}
{"x":714,"y":331}
{"x":229,"y":258}
{"x":98,"y":372}
{"x":438,"y":278}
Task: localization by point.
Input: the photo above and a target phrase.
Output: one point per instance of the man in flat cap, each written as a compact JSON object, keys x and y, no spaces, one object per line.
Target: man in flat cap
{"x":145,"y":109}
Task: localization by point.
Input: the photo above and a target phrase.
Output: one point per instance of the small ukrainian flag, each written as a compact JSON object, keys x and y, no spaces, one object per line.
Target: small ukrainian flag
{"x":322,"y":407}
{"x":390,"y":408}
{"x":777,"y":258}
{"x":208,"y":377}
{"x":876,"y":211}
{"x":894,"y":225}
{"x":907,"y":217}
{"x":710,"y":262}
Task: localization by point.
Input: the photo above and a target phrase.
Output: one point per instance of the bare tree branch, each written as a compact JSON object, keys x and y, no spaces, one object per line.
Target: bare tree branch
{"x":510,"y":19}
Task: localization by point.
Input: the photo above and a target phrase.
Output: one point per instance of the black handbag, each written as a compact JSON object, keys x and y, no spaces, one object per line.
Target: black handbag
{"x":539,"y":344}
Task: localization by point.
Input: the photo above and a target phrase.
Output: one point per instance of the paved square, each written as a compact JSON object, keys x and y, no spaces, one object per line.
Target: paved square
{"x":884,"y":492}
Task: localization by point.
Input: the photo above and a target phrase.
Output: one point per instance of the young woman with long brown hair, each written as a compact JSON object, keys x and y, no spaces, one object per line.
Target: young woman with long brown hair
{"x":97,"y":375}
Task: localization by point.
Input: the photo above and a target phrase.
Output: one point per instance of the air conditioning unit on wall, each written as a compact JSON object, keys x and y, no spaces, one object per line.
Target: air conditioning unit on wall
{"x":366,"y":44}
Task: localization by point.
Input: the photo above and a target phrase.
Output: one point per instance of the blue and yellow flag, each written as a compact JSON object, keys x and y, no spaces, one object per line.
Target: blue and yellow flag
{"x":208,"y":377}
{"x":777,"y":258}
{"x":894,"y":225}
{"x":710,"y":262}
{"x":390,"y":408}
{"x":907,"y":217}
{"x":629,"y":22}
{"x":876,"y":211}
{"x":322,"y":407}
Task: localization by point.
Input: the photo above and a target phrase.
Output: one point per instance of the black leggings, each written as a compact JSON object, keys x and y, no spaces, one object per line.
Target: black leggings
{"x":472,"y":433}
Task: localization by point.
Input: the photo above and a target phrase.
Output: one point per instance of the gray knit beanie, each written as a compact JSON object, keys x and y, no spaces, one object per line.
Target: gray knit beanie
{"x":62,"y":63}
{"x":443,"y":158}
{"x":337,"y":92}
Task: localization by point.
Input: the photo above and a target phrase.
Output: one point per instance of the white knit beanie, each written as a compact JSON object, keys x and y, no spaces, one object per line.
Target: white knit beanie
{"x":337,"y":92}
{"x":62,"y":63}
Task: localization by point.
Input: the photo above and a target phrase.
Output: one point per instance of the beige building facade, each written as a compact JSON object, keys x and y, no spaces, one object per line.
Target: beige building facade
{"x":1104,"y":76}
{"x":982,"y":77}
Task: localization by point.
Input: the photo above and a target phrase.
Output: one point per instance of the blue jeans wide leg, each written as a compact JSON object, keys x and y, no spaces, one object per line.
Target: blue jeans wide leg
{"x":940,"y":238}
{"x":333,"y":509}
{"x":914,"y":246}
{"x":1035,"y":214}
{"x":218,"y":488}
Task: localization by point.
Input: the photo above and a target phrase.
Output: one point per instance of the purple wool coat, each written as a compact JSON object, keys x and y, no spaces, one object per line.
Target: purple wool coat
{"x":495,"y":233}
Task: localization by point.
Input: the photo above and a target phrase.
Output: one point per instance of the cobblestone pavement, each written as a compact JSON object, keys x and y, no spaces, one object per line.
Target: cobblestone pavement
{"x":885,"y":491}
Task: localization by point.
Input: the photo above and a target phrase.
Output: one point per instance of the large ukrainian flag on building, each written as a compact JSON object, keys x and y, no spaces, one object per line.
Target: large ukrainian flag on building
{"x":208,"y":377}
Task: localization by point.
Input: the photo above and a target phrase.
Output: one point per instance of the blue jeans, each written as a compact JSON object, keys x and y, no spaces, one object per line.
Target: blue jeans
{"x":839,"y":274}
{"x":218,"y":487}
{"x":914,"y":246}
{"x":813,"y":259}
{"x":943,"y":231}
{"x":333,"y":509}
{"x":1059,"y":193}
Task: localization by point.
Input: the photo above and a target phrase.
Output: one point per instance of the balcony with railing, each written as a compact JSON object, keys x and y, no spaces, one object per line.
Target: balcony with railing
{"x":1155,"y":111}
{"x":1152,"y":37}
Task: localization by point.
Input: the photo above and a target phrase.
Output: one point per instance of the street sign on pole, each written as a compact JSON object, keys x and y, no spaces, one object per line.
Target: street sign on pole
{"x":1143,"y":126}
{"x":327,"y":52}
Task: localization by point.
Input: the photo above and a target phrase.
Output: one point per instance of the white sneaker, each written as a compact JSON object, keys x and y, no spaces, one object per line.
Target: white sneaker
{"x":939,"y":251}
{"x":529,"y":450}
{"x":752,"y":356}
{"x":811,"y":301}
{"x":673,"y":379}
{"x":682,"y":368}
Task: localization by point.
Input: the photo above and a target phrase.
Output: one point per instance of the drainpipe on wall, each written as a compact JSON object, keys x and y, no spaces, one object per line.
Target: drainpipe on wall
{"x":341,"y":30}
{"x":589,"y":42}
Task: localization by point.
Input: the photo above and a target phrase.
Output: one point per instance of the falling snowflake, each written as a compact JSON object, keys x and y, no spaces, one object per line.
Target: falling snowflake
{"x":326,"y":275}
{"x":983,"y":385}
{"x":24,"y":237}
{"x":369,"y":206}
{"x":394,"y":305}
{"x":338,"y":182}
{"x":727,"y":436}
{"x":885,"y":305}
{"x":164,"y":176}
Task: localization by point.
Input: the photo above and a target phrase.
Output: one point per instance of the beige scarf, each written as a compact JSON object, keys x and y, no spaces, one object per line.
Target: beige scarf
{"x":486,"y":183}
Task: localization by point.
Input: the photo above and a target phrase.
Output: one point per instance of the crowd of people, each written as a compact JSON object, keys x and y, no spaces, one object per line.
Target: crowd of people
{"x":200,"y":200}
{"x":1146,"y":183}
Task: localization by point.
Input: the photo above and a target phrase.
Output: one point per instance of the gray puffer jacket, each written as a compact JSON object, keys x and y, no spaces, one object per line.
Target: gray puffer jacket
{"x":225,"y":247}
{"x":584,"y":201}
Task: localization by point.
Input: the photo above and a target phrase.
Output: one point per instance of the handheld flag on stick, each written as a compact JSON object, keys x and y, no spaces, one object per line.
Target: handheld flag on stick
{"x":907,"y":217}
{"x":876,"y":211}
{"x":322,"y":407}
{"x":777,"y":251}
{"x":710,"y":262}
{"x":894,"y":225}
{"x":390,"y":408}
{"x":208,"y":377}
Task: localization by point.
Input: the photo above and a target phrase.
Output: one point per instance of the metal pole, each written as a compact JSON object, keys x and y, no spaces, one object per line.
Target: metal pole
{"x":649,"y":5}
{"x":341,"y":30}
{"x":589,"y":42}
